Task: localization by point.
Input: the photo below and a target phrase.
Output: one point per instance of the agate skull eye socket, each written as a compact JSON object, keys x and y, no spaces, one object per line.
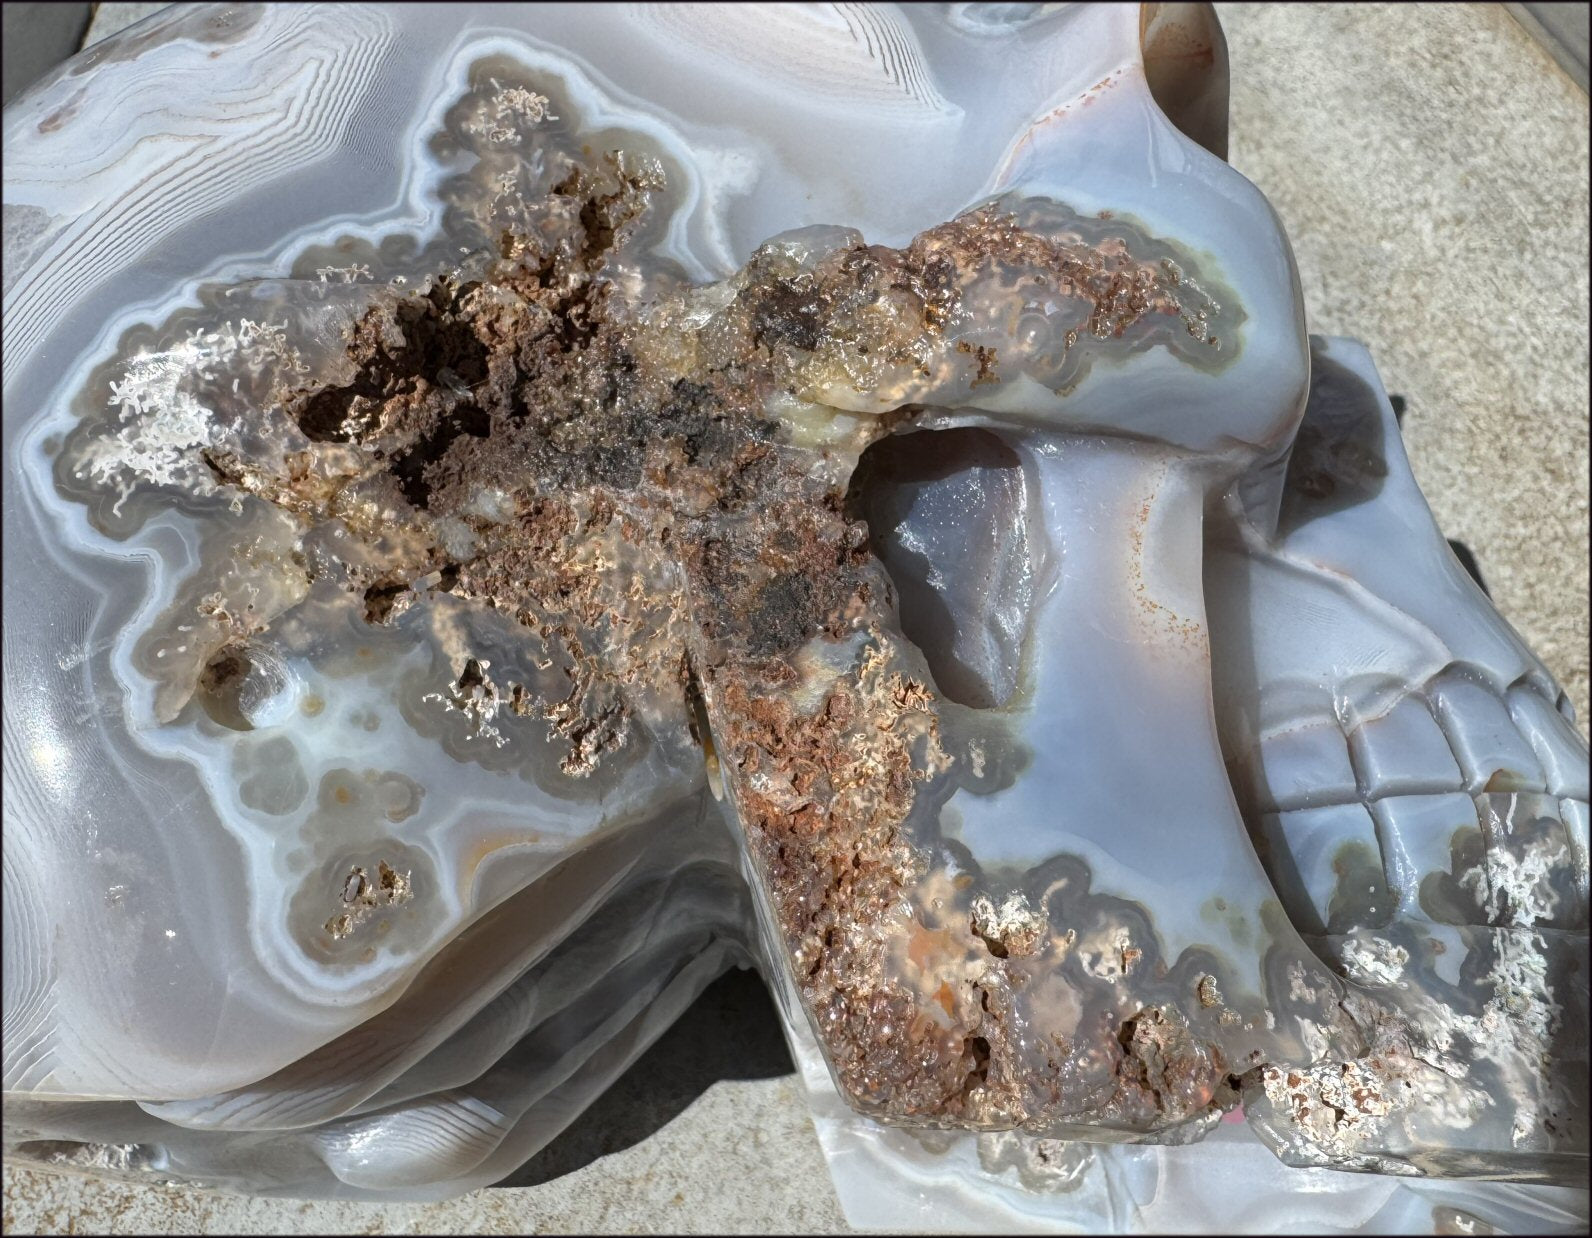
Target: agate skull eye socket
{"x":620,"y":536}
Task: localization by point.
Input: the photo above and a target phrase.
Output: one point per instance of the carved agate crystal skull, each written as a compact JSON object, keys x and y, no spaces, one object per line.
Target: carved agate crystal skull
{"x":511,"y":513}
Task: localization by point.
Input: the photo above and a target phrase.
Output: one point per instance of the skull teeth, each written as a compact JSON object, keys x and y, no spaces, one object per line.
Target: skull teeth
{"x":1459,"y":735}
{"x":1404,"y":752}
{"x":1553,"y":739}
{"x":1491,"y":752}
{"x":1354,"y":827}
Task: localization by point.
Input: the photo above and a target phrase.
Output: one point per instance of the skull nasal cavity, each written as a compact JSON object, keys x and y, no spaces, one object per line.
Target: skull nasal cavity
{"x":947,"y":516}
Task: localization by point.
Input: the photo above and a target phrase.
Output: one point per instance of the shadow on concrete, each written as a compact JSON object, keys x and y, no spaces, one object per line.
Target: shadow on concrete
{"x":37,"y":37}
{"x":730,"y":1032}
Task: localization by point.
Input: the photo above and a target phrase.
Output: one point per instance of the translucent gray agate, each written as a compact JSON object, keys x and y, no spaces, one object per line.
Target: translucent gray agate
{"x":1141,"y":759}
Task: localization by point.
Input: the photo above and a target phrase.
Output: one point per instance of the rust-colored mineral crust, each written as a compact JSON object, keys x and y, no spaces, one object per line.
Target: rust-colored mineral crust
{"x":651,"y":481}
{"x":1093,"y":761}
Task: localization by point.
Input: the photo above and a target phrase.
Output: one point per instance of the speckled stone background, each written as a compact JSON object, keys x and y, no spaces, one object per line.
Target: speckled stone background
{"x":1430,"y":164}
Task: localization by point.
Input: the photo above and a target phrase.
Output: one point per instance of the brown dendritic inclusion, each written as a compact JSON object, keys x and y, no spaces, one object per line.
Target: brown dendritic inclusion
{"x":659,"y":492}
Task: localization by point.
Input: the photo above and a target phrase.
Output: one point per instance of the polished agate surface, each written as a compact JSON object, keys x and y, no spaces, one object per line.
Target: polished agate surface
{"x":514,"y":511}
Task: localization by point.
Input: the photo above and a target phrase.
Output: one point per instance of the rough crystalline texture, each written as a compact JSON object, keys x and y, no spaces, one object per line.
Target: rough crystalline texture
{"x":997,"y":621}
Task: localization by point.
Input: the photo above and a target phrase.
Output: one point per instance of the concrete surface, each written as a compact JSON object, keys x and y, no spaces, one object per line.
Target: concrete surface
{"x":1430,"y":163}
{"x":37,"y":38}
